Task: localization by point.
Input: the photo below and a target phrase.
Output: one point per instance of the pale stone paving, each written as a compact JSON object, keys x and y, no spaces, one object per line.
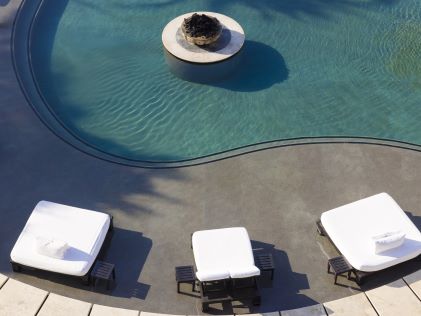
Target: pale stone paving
{"x":414,"y":282}
{"x":350,"y":306}
{"x":17,"y":298}
{"x":64,"y":306}
{"x":314,"y":310}
{"x":395,"y":298}
{"x":3,"y":279}
{"x":101,"y":310}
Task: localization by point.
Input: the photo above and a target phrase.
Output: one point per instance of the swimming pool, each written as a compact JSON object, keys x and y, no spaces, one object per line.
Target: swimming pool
{"x":310,"y":69}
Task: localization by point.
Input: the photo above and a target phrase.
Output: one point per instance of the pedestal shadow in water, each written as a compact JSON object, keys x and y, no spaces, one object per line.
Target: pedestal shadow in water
{"x":260,"y":66}
{"x":256,"y":67}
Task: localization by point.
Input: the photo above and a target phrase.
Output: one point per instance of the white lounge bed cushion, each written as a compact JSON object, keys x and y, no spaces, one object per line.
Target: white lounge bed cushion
{"x":352,"y":226}
{"x":83,"y":230}
{"x":226,"y":251}
{"x":388,"y":241}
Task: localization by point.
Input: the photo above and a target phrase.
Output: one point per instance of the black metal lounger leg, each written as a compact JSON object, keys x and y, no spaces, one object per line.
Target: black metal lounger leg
{"x":359,"y":279}
{"x":191,"y":240}
{"x":257,"y":300}
{"x":16,"y":267}
{"x":205,"y":307}
{"x":86,"y":279}
{"x":111,"y":223}
{"x":320,"y":228}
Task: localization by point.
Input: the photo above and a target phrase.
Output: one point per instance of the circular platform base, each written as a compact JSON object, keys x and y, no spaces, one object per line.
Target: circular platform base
{"x":229,"y":44}
{"x":206,"y":73}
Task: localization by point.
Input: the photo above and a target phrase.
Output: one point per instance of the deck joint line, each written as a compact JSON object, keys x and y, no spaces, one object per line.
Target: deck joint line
{"x":409,"y":286}
{"x":372,"y":305}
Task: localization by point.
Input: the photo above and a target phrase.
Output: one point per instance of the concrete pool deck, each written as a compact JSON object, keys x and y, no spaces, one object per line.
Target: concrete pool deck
{"x":277,"y":194}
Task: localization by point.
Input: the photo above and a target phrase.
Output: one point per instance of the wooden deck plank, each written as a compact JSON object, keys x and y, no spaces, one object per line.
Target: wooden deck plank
{"x":64,"y":306}
{"x":101,"y":310}
{"x":17,"y":298}
{"x":395,"y":298}
{"x":314,"y":310}
{"x":414,"y":282}
{"x":350,"y":306}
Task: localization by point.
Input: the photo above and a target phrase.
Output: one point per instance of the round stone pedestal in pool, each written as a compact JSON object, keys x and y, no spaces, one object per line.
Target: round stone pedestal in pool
{"x":229,"y":43}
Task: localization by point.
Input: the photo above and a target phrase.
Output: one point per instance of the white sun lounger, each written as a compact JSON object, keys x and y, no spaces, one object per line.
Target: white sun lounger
{"x":83,"y":230}
{"x":352,"y":226}
{"x":223,"y":253}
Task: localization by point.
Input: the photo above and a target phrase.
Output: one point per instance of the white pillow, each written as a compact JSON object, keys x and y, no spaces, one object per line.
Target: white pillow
{"x":388,"y":241}
{"x":51,"y":247}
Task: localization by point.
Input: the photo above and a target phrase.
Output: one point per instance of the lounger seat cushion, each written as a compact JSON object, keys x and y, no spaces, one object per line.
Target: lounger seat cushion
{"x":212,"y":275}
{"x":244,"y":272}
{"x":351,"y":228}
{"x":227,"y":250}
{"x":83,"y":230}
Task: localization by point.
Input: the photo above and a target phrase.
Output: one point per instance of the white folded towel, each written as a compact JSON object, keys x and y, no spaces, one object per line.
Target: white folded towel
{"x":388,"y":240}
{"x":51,"y":247}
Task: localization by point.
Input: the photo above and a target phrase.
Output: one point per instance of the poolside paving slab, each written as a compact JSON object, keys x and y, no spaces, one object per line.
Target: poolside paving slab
{"x":266,"y":314}
{"x":157,"y":314}
{"x":414,"y":282}
{"x":314,"y":310}
{"x":101,"y":310}
{"x":395,"y":298}
{"x":64,"y":306}
{"x":17,"y":298}
{"x":350,"y":306}
{"x":3,"y":279}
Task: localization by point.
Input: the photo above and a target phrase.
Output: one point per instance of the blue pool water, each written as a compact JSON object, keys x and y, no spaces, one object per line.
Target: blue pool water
{"x":310,"y":68}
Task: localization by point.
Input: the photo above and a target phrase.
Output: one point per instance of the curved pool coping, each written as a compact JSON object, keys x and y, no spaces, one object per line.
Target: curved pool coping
{"x":21,"y":45}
